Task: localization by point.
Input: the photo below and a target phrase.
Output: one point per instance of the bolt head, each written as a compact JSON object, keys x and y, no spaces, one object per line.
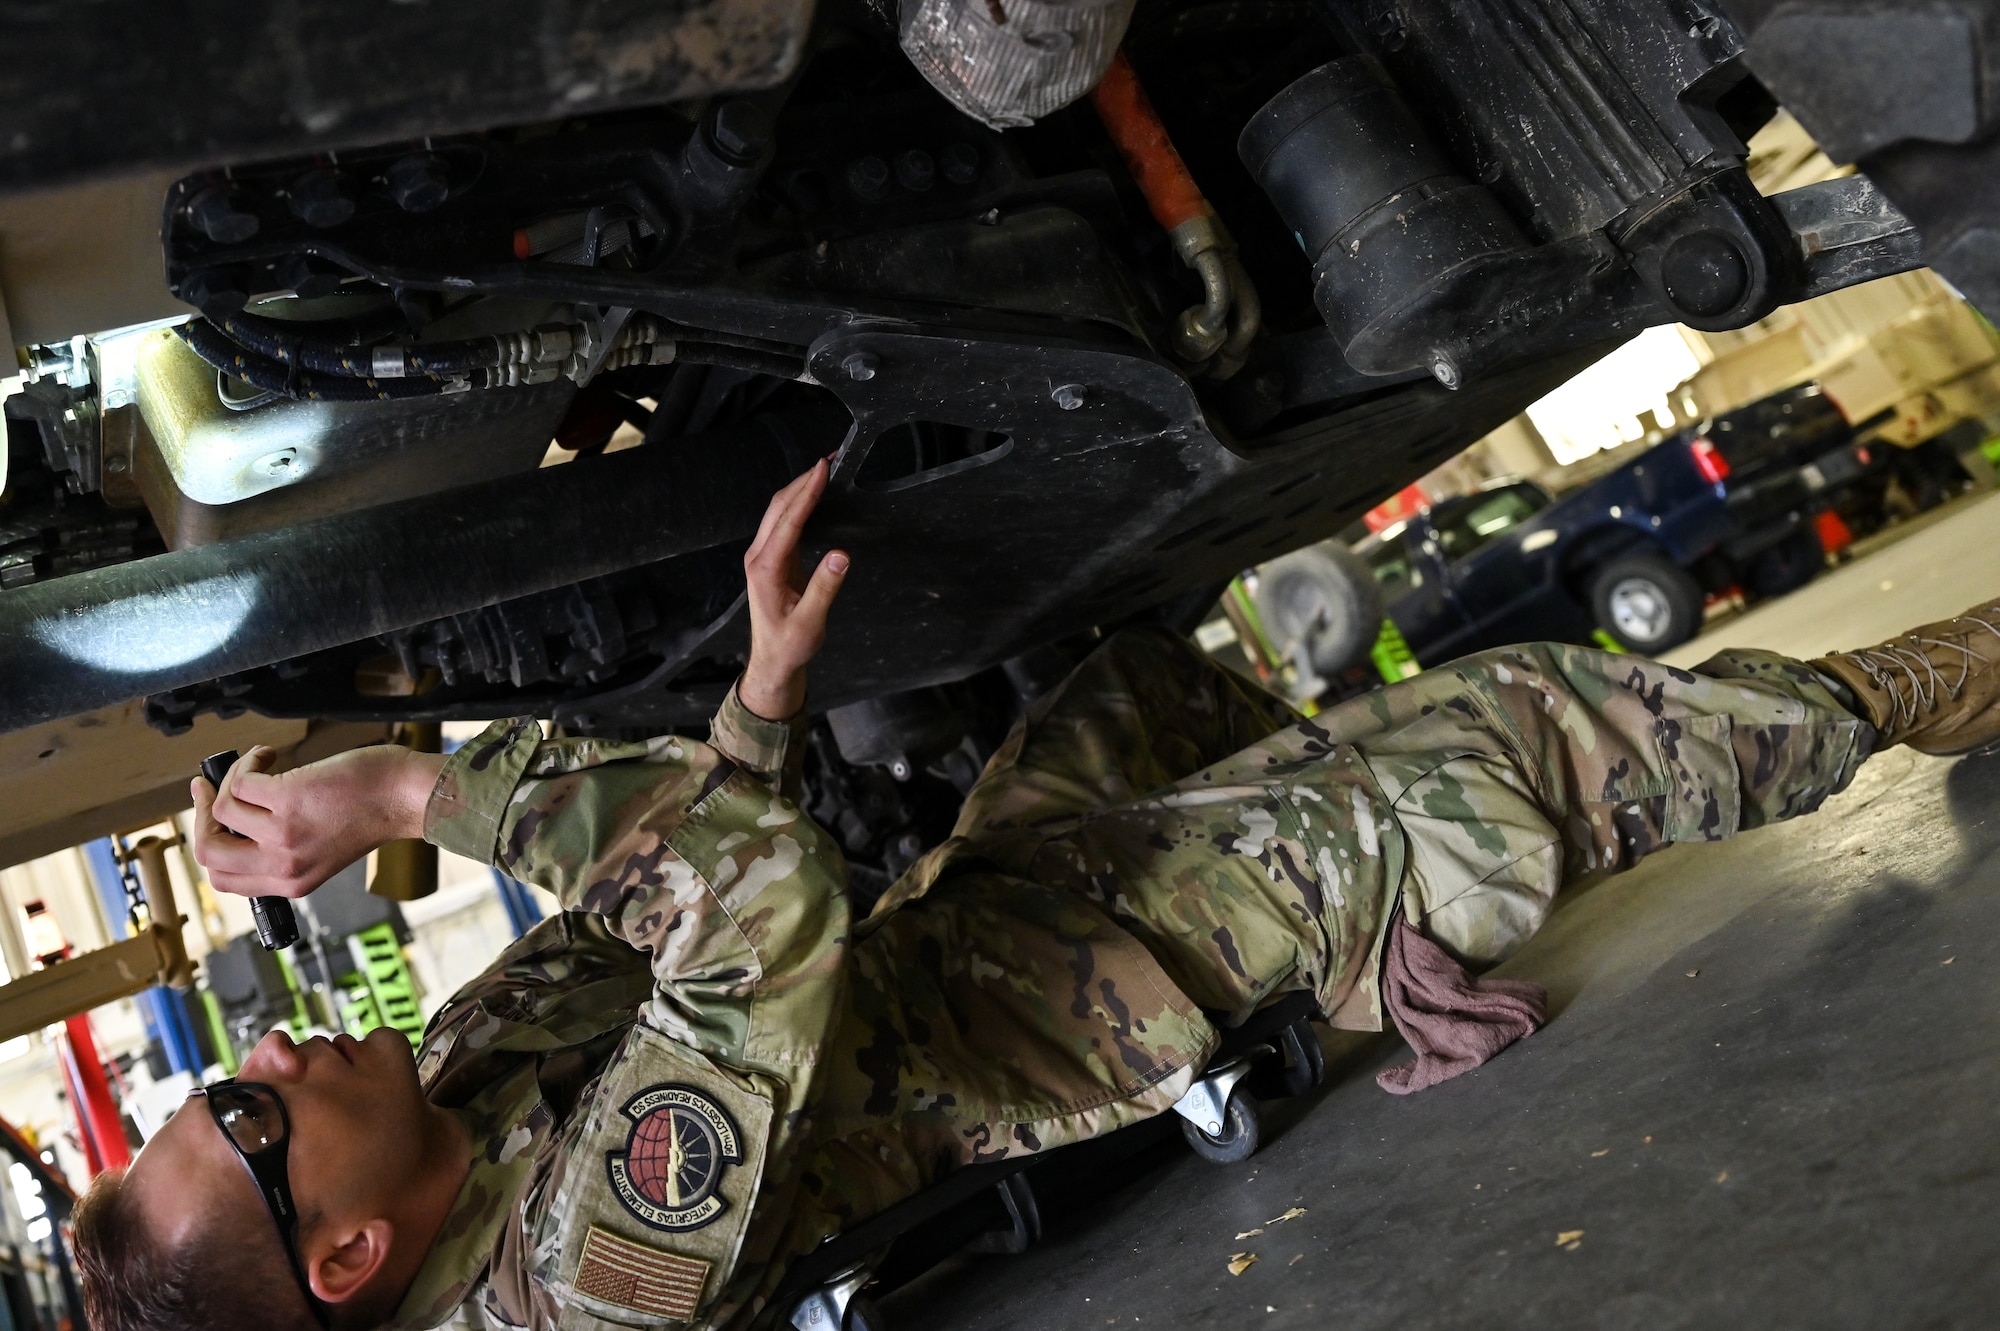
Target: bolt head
{"x":322,"y":198}
{"x":1068,"y":396}
{"x":915,"y":171}
{"x":868,"y":177}
{"x":217,"y":211}
{"x":859,"y":366}
{"x":296,"y":273}
{"x":1445,"y":370}
{"x":739,"y":131}
{"x":961,"y":163}
{"x":215,"y":289}
{"x":419,"y":182}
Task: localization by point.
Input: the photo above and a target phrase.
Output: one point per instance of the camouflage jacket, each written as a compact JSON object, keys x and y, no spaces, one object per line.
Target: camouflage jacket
{"x":695,"y":1074}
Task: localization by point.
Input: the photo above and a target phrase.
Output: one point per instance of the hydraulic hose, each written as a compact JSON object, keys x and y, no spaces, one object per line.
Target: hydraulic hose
{"x":261,"y":372}
{"x":1150,"y":156}
{"x":1207,"y":333}
{"x":93,"y":639}
{"x":278,"y":341}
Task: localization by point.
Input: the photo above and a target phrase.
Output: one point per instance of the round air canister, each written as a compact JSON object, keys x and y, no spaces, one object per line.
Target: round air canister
{"x":1392,"y":229}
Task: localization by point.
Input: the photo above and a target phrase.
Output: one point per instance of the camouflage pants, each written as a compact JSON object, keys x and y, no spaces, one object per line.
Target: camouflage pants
{"x":1155,"y":801}
{"x":1254,"y":852}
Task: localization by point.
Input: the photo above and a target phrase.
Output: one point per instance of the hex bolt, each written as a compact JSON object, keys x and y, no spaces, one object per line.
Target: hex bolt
{"x":215,"y":289}
{"x":295,"y":273}
{"x":915,"y":171}
{"x":859,"y":366}
{"x":1445,"y":370}
{"x":219,"y":214}
{"x":419,"y":182}
{"x":961,"y":163}
{"x":739,"y":131}
{"x":1068,"y":396}
{"x":322,"y":198}
{"x":868,"y":177}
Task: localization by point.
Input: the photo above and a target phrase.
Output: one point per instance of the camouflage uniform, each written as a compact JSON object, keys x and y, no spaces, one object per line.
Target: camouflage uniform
{"x":703,"y":1069}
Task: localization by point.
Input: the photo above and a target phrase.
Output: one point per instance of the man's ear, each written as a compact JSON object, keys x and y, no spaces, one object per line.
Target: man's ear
{"x":340,"y":1269}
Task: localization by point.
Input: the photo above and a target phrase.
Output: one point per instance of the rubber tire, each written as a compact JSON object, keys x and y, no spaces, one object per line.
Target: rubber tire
{"x":863,"y":1315}
{"x":1242,"y":1132}
{"x":1674,"y":584}
{"x":1788,"y":565}
{"x":1326,"y":580}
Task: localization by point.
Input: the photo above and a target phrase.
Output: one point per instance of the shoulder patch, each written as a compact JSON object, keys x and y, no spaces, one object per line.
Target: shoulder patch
{"x":669,"y":1153}
{"x":670,"y":1172}
{"x":617,"y":1271}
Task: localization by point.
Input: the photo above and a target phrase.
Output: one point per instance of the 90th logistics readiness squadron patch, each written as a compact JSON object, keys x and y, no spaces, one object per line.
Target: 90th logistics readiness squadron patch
{"x":670,"y":1171}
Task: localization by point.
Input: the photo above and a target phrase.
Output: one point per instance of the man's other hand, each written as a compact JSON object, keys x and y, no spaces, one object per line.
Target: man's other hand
{"x":267,"y":834}
{"x":787,"y":610}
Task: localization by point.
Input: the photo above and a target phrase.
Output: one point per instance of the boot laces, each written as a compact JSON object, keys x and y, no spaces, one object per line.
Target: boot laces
{"x":1910,"y":662}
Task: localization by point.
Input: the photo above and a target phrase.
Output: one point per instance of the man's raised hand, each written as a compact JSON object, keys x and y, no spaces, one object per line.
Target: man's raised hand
{"x":787,"y":609}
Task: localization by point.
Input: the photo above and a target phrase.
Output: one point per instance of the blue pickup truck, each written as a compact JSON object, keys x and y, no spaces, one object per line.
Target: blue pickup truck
{"x":1633,"y":554}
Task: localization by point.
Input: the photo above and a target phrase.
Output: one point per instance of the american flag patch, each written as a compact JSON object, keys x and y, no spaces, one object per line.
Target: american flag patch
{"x":616,"y":1270}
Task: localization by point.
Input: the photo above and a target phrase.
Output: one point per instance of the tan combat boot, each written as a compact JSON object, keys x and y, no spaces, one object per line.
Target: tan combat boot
{"x":1935,"y":688}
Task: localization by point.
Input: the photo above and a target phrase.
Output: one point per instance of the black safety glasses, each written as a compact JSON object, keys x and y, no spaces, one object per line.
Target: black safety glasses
{"x":254,"y":1122}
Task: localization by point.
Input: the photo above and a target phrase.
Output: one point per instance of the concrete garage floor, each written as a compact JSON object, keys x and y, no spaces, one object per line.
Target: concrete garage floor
{"x":1769,"y":1097}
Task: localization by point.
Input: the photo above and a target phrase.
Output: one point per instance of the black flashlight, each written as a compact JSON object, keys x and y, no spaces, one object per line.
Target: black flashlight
{"x":277,"y":926}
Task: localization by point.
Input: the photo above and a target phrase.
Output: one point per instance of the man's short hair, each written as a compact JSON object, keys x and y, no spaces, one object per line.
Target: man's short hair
{"x":230,"y":1272}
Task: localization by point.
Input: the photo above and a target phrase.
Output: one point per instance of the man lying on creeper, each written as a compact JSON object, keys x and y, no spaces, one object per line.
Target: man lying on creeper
{"x":651,"y":1104}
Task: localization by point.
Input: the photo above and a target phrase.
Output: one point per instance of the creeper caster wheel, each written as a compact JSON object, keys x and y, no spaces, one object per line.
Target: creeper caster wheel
{"x":1240,"y":1132}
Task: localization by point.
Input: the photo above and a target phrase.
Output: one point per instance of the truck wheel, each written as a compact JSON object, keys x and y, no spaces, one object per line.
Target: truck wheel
{"x":1647,"y":602}
{"x":1788,"y":565}
{"x":1325,"y":598}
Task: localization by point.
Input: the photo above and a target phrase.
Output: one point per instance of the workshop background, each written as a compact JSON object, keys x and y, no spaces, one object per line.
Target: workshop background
{"x":390,"y":940}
